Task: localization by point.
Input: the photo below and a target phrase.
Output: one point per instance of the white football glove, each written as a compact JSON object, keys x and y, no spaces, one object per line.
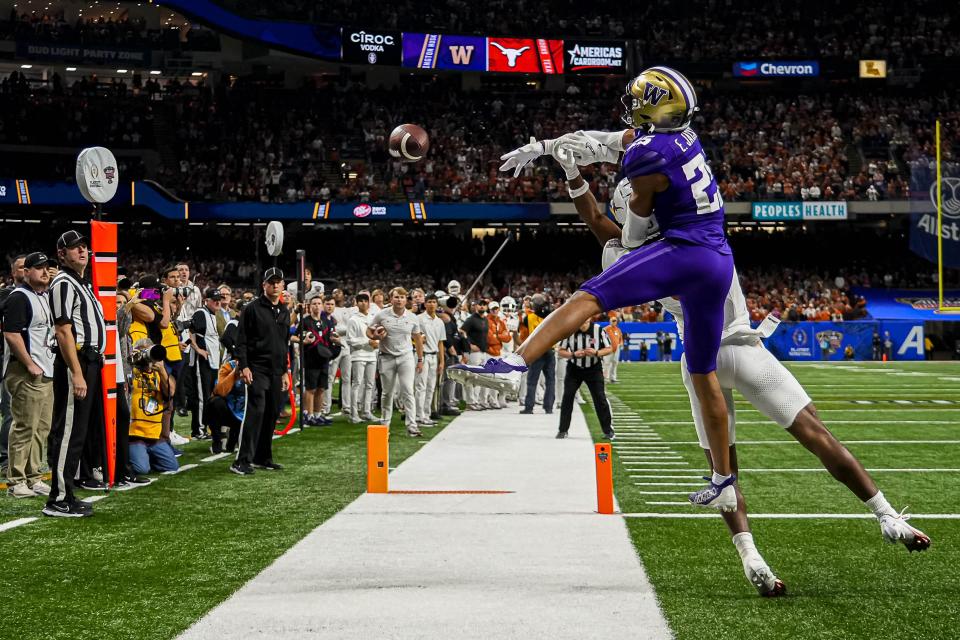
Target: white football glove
{"x":588,"y":150}
{"x":635,"y":230}
{"x":522,"y":156}
{"x":564,"y":156}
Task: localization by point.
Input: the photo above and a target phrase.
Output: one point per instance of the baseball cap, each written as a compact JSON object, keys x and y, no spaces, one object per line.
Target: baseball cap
{"x":212,"y":293}
{"x":273,"y":273}
{"x":37,"y":259}
{"x":70,"y":239}
{"x":493,"y":305}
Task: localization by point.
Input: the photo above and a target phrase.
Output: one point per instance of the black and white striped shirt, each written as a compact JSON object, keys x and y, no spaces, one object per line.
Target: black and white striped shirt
{"x":72,"y":302}
{"x":593,"y":338}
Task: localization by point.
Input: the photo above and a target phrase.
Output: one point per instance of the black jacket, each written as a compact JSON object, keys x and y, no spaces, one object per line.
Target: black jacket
{"x":263,"y":335}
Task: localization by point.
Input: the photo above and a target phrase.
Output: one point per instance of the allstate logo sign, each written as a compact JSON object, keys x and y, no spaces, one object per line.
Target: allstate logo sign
{"x":950,"y":193}
{"x":362,"y":210}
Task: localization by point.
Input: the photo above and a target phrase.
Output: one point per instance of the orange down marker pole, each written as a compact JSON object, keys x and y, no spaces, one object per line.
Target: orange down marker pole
{"x":378,"y":457}
{"x":604,"y":462}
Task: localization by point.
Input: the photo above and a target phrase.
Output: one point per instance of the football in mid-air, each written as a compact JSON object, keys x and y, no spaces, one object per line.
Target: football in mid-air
{"x":409,"y":143}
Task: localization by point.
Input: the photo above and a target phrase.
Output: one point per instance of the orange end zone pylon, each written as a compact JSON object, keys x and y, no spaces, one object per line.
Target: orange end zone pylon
{"x":378,"y":458}
{"x":603,"y":455}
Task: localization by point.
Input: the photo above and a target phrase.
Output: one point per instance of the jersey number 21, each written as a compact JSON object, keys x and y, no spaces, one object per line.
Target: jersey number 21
{"x":699,"y":185}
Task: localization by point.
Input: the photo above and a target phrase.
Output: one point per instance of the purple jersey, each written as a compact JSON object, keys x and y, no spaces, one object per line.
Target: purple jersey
{"x":691,"y":208}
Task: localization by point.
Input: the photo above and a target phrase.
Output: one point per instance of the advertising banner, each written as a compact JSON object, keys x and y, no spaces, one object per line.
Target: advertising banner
{"x":776,"y":68}
{"x":637,"y":333}
{"x":437,"y":51}
{"x":525,"y":55}
{"x":908,"y":304}
{"x":809,"y":210}
{"x":371,"y":47}
{"x":829,"y":340}
{"x":923,"y":207}
{"x":56,"y":52}
{"x":595,"y":56}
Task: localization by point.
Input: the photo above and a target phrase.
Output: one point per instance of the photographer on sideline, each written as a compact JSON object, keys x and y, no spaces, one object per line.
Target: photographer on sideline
{"x":149,"y":392}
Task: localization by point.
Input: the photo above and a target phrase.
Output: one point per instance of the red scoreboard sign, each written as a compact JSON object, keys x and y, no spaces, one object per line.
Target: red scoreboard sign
{"x":525,"y":55}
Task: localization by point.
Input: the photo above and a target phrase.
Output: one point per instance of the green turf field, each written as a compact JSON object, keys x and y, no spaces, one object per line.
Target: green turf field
{"x":153,"y":560}
{"x":843,"y":581}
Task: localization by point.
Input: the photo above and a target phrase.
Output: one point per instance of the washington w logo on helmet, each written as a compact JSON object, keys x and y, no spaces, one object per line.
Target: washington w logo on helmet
{"x":652,"y":94}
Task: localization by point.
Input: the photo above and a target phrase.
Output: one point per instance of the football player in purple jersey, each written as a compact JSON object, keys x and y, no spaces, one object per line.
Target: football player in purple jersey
{"x":669,"y":174}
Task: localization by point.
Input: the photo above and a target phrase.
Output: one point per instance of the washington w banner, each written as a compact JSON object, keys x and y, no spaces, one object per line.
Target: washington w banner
{"x":923,"y":206}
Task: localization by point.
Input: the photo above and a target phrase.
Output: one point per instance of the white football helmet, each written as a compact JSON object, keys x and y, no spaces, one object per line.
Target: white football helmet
{"x":453,"y":287}
{"x":508,"y":304}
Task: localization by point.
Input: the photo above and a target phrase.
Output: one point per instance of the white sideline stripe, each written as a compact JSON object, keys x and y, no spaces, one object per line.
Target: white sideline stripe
{"x":16,"y":523}
{"x":276,"y":437}
{"x":668,"y":484}
{"x":185,"y":467}
{"x":215,"y":456}
{"x":793,"y":516}
{"x":92,"y":499}
{"x":631,"y":457}
{"x":739,"y":442}
{"x":637,"y":464}
{"x":294,"y":430}
{"x":669,"y":504}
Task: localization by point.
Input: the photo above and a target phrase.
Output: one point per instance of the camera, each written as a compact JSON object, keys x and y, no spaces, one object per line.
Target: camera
{"x":180,"y":292}
{"x":146,"y":356}
{"x":183,"y":325}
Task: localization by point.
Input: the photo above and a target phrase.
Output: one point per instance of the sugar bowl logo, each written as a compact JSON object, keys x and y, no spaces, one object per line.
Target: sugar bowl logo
{"x":110,"y":173}
{"x":833,"y":339}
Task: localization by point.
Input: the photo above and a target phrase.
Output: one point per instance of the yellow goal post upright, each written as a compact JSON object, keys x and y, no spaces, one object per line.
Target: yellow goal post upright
{"x":940,"y":300}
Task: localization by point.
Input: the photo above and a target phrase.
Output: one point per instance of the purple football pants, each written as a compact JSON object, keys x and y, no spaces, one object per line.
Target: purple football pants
{"x":698,"y":275}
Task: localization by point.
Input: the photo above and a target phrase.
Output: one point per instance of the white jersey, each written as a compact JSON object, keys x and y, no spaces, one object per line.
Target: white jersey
{"x":400,"y":330}
{"x":433,"y":331}
{"x":342,"y":316}
{"x":356,"y":337}
{"x":736,"y":318}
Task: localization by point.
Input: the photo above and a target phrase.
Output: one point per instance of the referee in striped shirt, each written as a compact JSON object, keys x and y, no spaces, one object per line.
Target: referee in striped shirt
{"x":77,"y":395}
{"x":585,"y":350}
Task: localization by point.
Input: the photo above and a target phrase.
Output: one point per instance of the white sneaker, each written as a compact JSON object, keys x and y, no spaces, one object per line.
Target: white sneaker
{"x":21,"y":490}
{"x":41,"y":488}
{"x":426,"y":423}
{"x":177,"y":440}
{"x":97,"y":474}
{"x":895,"y":529}
{"x":762,"y":577}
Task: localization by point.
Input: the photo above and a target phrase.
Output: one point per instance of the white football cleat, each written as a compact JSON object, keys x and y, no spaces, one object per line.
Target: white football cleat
{"x":895,"y":529}
{"x":494,"y":374}
{"x":762,"y":577}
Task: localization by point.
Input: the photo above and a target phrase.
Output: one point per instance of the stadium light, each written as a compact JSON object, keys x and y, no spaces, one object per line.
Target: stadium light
{"x":155,"y":72}
{"x":71,"y":68}
{"x":26,"y":66}
{"x":121,"y":70}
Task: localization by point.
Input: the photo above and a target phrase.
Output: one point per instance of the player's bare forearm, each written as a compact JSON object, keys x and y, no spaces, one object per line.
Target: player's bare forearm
{"x":589,"y":211}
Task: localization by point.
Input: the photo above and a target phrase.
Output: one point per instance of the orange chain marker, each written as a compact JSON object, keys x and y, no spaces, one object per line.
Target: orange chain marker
{"x":378,"y":457}
{"x":604,"y":460}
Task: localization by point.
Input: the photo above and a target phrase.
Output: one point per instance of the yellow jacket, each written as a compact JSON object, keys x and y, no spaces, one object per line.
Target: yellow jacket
{"x":146,"y":404}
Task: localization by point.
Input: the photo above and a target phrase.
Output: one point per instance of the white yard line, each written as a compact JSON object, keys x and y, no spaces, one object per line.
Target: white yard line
{"x":185,"y":467}
{"x":740,"y":422}
{"x":92,"y":499}
{"x":12,"y":524}
{"x":752,"y":442}
{"x":216,"y":456}
{"x":810,"y":470}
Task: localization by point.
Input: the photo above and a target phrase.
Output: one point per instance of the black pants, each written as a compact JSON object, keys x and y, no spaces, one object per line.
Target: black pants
{"x":593,"y":376}
{"x":73,"y":418}
{"x":547,"y":364}
{"x":122,"y":469}
{"x":220,"y":416}
{"x":204,"y":379}
{"x":263,"y":407}
{"x":186,"y":387}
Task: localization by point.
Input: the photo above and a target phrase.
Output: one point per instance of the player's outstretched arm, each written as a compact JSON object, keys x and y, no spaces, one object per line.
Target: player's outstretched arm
{"x":588,"y":209}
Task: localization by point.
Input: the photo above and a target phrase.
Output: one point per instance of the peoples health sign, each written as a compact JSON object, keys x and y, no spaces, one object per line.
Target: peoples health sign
{"x":811,"y":210}
{"x":776,"y":69}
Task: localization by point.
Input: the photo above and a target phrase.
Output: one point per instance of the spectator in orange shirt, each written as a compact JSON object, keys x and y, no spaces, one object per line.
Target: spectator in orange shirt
{"x":612,"y":359}
{"x":497,"y":336}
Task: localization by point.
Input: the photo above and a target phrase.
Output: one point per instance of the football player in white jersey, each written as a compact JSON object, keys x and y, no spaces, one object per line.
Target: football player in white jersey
{"x":744,"y":364}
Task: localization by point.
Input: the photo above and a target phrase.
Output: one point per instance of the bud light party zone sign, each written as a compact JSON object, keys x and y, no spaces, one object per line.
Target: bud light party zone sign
{"x":372,"y":47}
{"x":776,"y":69}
